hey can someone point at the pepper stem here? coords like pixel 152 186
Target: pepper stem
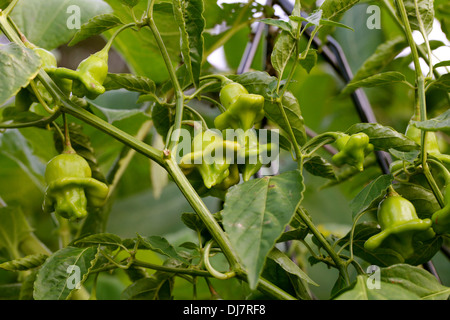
pixel 391 192
pixel 67 144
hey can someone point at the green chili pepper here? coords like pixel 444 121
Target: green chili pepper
pixel 400 226
pixel 71 188
pixel 213 168
pixel 352 150
pixel 243 109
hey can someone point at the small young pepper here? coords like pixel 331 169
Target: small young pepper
pixel 441 218
pixel 71 188
pixel 400 225
pixel 213 167
pixel 352 150
pixel 243 109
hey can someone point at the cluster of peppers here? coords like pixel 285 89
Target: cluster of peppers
pixel 401 229
pixel 240 156
pixel 71 189
pixel 86 81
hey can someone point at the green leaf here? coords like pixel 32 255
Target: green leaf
pixel 383 137
pixel 158 288
pixel 408 156
pixel 282 52
pixel 381 79
pixel 10 291
pixel 387 291
pixel 370 195
pixel 139 49
pixel 422 198
pixel 14 146
pixel 163 119
pixel 318 166
pixel 325 22
pixel 50 23
pixel 130 3
pixel 415 280
pixel 254 222
pixel 441 122
pixel 189 15
pixel 63 271
pixel 309 61
pixel 426 14
pixel 283 25
pixel 443 82
pixel 333 9
pixel 161 246
pixel 102 239
pixel 25 263
pixel 289 266
pixel 13 228
pixel 130 82
pixel 445 63
pixel 383 55
pixel 18 65
pixel 113 115
pixel 95 26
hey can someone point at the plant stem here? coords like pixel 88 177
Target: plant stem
pixel 421 98
pixel 179 96
pixel 199 206
pixel 340 265
pixel 10 7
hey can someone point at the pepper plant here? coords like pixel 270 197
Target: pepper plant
pixel 106 187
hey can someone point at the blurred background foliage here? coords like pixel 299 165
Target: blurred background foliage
pixel 141 205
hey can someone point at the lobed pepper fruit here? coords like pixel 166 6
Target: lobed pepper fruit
pixel 441 218
pixel 352 150
pixel 89 76
pixel 400 225
pixel 250 154
pixel 213 168
pixel 71 188
pixel 243 109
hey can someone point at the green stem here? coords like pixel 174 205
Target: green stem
pixel 421 98
pixel 10 7
pixel 340 265
pixel 37 123
pixel 179 96
pixel 113 37
pixel 202 210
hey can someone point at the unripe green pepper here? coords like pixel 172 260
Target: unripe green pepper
pixel 249 156
pixel 71 188
pixel 400 225
pixel 441 218
pixel 352 150
pixel 243 109
pixel 92 74
pixel 213 169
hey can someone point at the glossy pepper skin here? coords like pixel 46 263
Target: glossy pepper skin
pixel 441 218
pixel 249 157
pixel 352 150
pixel 400 225
pixel 243 109
pixel 71 188
pixel 92 74
pixel 213 168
